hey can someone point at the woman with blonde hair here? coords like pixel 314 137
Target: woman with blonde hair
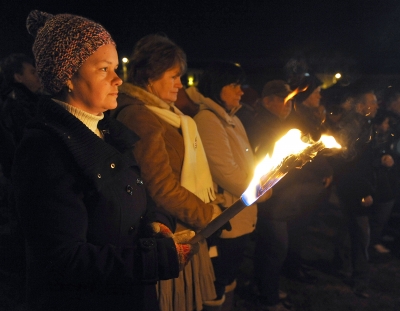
pixel 172 160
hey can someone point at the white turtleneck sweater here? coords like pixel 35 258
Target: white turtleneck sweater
pixel 90 120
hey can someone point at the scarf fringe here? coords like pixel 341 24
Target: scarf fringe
pixel 206 195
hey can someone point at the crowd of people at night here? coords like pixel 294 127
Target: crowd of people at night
pixel 104 182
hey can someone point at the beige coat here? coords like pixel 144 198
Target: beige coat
pixel 229 156
pixel 160 153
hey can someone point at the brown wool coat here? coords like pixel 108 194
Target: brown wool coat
pixel 160 153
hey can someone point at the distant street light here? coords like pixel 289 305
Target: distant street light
pixel 338 75
pixel 125 61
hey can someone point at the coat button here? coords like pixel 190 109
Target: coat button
pixel 98 175
pixel 129 189
pixel 131 229
pixel 139 181
pixel 112 165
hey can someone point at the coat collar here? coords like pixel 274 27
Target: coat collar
pixel 144 96
pixel 91 153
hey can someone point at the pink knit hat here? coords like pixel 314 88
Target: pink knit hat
pixel 62 44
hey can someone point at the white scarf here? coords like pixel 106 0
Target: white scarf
pixel 195 175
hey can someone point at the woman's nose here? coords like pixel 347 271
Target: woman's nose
pixel 179 84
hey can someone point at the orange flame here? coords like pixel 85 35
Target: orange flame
pixel 269 171
pixel 294 93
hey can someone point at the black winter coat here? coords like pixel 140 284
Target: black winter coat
pixel 83 209
pixel 18 106
pixel 353 166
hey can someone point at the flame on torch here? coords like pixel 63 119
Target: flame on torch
pixel 289 152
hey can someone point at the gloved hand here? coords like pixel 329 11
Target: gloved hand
pixel 216 212
pixel 184 249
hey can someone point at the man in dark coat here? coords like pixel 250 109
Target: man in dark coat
pixel 19 90
pixel 282 220
pixel 19 95
pixel 354 181
pixel 271 231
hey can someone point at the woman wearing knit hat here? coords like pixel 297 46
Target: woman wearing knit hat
pixel 78 190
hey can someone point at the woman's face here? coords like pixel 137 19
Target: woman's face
pixel 29 78
pixel 168 85
pixel 370 105
pixel 314 98
pixel 384 126
pixel 231 95
pixel 94 88
pixel 277 105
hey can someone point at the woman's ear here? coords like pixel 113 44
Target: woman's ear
pixel 18 77
pixel 70 86
pixel 149 86
pixel 266 102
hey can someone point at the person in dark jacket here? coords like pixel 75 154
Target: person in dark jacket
pixel 308 115
pixel 271 230
pixel 20 88
pixel 385 174
pixel 93 242
pixel 19 93
pixel 354 180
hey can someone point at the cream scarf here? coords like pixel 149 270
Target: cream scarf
pixel 195 175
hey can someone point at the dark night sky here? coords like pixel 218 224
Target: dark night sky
pixel 328 35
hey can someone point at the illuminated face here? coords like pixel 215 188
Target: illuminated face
pixel 277 106
pixel 94 88
pixel 168 85
pixel 29 78
pixel 231 95
pixel 314 98
pixel 384 126
pixel 394 105
pixel 370 105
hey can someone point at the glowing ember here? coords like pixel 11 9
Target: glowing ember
pixel 289 152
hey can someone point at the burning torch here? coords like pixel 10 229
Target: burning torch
pixel 289 152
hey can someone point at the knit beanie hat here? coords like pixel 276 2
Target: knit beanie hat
pixel 276 87
pixel 310 82
pixel 62 44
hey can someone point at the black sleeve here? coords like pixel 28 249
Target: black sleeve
pixel 55 220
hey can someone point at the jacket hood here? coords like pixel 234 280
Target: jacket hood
pixel 206 103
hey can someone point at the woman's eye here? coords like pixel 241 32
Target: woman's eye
pixel 104 69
